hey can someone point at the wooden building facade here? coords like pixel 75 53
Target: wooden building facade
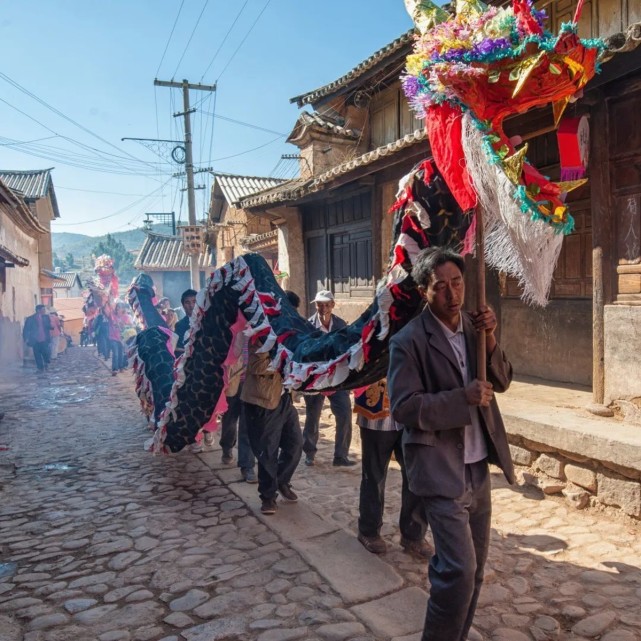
pixel 361 138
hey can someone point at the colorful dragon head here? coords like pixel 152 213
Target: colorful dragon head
pixel 107 279
pixel 471 70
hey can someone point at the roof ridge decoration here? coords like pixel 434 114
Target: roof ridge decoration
pixel 356 72
pixel 323 122
pixel 224 174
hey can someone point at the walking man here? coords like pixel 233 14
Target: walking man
pixel 37 334
pixel 379 440
pixel 339 402
pixel 273 429
pixel 452 429
pixel 188 301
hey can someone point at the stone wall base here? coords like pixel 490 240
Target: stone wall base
pixel 580 480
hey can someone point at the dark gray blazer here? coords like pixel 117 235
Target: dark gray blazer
pixel 427 396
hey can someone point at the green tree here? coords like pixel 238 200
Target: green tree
pixel 57 261
pixel 70 261
pixel 123 260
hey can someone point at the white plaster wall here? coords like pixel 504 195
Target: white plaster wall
pixel 22 290
pixel 622 352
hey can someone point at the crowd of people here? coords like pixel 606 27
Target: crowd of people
pixel 434 414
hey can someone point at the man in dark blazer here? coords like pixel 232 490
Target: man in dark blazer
pixel 452 430
pixel 37 335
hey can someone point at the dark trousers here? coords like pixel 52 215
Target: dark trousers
pixel 277 444
pixel 341 406
pixel 461 531
pixel 234 424
pixel 42 354
pixel 104 345
pixel 377 448
pixel 118 360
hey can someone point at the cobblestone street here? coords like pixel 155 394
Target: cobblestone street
pixel 99 540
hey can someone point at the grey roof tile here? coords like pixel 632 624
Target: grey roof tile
pixel 165 253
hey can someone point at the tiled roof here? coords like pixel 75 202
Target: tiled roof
pixel 165 253
pixel 32 185
pixel 69 279
pixel 360 69
pixel 296 189
pixel 623 42
pixel 235 188
pixel 50 274
pixel 289 190
pixel 8 256
pixel 18 211
pixel 315 119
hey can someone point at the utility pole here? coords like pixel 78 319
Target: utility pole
pixel 189 160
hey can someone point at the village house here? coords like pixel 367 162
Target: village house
pixel 69 285
pixel 162 257
pixel 233 231
pixel 360 138
pixel 36 188
pixel 20 232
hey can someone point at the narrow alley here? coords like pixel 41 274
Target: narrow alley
pixel 99 540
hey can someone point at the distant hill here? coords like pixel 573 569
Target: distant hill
pixel 81 245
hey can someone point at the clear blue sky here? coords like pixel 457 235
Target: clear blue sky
pixel 95 62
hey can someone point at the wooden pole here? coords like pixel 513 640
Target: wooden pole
pixel 481 351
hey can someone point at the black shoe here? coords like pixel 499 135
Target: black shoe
pixel 287 493
pixel 343 461
pixel 419 549
pixel 249 476
pixel 309 460
pixel 268 506
pixel 227 457
pixel 373 544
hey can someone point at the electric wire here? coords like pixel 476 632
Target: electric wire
pixel 117 213
pixel 211 62
pixel 169 39
pixel 242 42
pixel 244 124
pixel 190 38
pixel 68 119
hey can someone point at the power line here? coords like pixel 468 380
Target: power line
pixel 169 39
pixel 120 211
pixel 94 191
pixel 67 118
pixel 242 42
pixel 242 153
pixel 211 62
pixel 190 37
pixel 245 124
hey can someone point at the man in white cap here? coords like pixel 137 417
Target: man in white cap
pixel 339 402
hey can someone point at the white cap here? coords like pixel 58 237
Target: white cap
pixel 323 296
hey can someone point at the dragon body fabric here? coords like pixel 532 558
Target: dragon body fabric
pixel 152 351
pixel 243 299
pixel 467 73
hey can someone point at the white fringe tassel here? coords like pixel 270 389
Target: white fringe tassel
pixel 514 243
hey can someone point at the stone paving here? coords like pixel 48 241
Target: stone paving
pixel 101 541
